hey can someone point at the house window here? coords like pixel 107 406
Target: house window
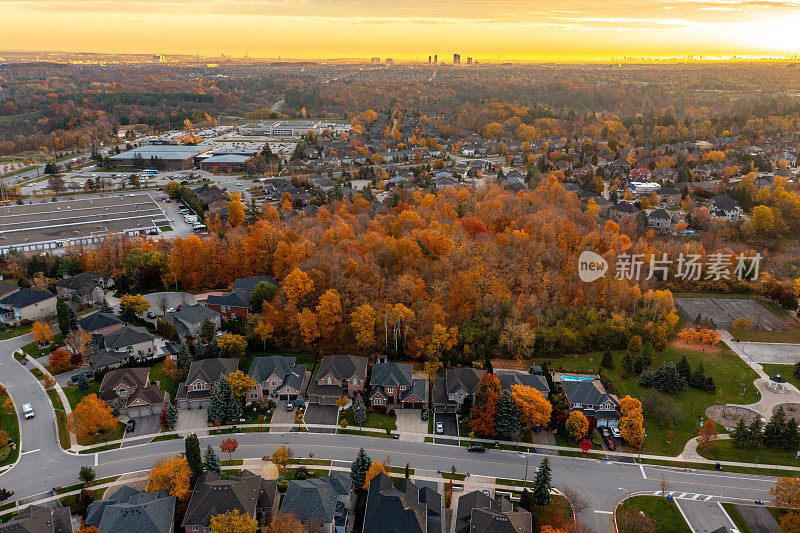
pixel 355 381
pixel 390 390
pixel 122 393
pixel 198 386
pixel 378 401
pixel 195 528
pixel 253 396
pixel 330 381
pixel 274 383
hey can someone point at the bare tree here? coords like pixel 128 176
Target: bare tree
pixel 664 482
pixel 162 302
pixel 576 501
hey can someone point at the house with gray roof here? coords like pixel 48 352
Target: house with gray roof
pixel 721 206
pixel 195 392
pixel 234 305
pixel 87 287
pixel 458 384
pixel 130 390
pixel 324 501
pixel 100 323
pixel 125 345
pixel 246 492
pixel 591 398
pixel 48 518
pixel 509 378
pixel 393 384
pixel 250 284
pixel 132 511
pixel 189 318
pixel 406 508
pixel 660 219
pixel 478 512
pixel 27 304
pixel 277 377
pixel 338 375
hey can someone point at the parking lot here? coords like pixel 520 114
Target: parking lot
pixel 449 422
pixel 321 414
pixel 769 352
pixel 724 311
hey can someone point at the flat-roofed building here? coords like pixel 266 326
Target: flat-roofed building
pixel 291 128
pixel 52 225
pixel 173 157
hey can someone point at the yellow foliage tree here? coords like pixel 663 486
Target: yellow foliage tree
pixel 363 319
pixel 374 469
pixel 787 496
pixel 296 286
pixel 534 409
pixel 134 304
pixel 235 210
pixel 42 332
pixel 233 522
pixel 239 383
pixel 231 345
pixel 577 425
pixel 92 415
pixel 763 220
pixel 173 475
pixel 307 322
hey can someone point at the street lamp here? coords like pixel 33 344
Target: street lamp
pixel 526 466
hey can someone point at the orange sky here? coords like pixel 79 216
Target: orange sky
pixel 407 29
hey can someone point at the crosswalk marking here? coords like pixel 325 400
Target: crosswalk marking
pixel 685 495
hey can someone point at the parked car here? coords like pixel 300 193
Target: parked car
pixel 478 448
pixel 151 314
pixel 615 432
pixel 424 414
pixel 27 410
pixel 439 428
pixel 289 406
pixel 610 444
pixel 131 425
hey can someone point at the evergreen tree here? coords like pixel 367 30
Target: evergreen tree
pixel 526 500
pixel 541 484
pixel 62 312
pixel 507 416
pixel 83 382
pixel 638 365
pixel 105 308
pixel 172 417
pixel 358 470
pixel 684 369
pixel 73 320
pixel 774 429
pixel 796 370
pixel 647 354
pixel 739 434
pixel 698 377
pixel 252 213
pixel 211 461
pixel 192 448
pixel 627 363
pixel 754 432
pixel 359 411
pixel 608 359
pixel 791 435
pixel 408 471
pixel 234 410
pixel 218 405
pixel 184 356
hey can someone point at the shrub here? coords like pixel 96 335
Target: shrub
pixel 382 409
pixel 391 413
pixel 283 485
pixel 5 451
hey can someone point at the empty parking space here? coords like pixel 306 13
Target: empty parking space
pixel 724 311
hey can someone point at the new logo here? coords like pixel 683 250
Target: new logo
pixel 591 266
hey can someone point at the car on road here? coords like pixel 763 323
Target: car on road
pixel 424 414
pixel 27 411
pixel 615 431
pixel 477 448
pixel 289 406
pixel 130 426
pixel 151 314
pixel 439 428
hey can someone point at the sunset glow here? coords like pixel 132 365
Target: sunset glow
pixel 407 29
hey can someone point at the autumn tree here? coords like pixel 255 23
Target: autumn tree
pixel 631 423
pixel 374 469
pixel 329 316
pixel 264 329
pixel 59 361
pixel 534 409
pixel 172 475
pixel 296 287
pixel 282 457
pixel 229 446
pixel 91 416
pixel 288 523
pixel 707 437
pixel 235 210
pixel 363 319
pixel 577 425
pixel 230 345
pixel 786 493
pixel 484 410
pixel 239 383
pixel 763 220
pixel 309 329
pixel 740 326
pixel 133 305
pixel 42 333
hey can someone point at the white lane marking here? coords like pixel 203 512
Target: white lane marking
pixel 707 498
pixel 31 451
pixel 683 495
pixel 678 505
pixel 96 458
pixel 641 468
pixel 695 496
pixel 603 512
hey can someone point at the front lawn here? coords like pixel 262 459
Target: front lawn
pixel 116 434
pixel 10 424
pixel 733 378
pixel 75 395
pixel 34 351
pixel 661 510
pixel 167 383
pixel 557 515
pixel 374 420
pixel 726 451
pixel 14 331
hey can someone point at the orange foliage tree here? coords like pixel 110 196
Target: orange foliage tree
pixel 484 411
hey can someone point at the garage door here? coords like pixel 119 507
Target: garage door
pixel 139 411
pixel 412 405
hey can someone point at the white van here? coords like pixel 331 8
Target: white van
pixel 27 410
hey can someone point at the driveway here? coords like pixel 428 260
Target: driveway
pixel 321 414
pixel 758 518
pixel 705 517
pixel 145 425
pixel 281 416
pixel 410 421
pixel 450 423
pixel 174 299
pixel 192 420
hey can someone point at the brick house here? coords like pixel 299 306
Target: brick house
pixel 277 377
pixel 393 384
pixel 195 392
pixel 591 398
pixel 339 375
pixel 234 305
pixel 130 390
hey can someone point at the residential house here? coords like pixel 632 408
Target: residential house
pixel 195 392
pixel 27 304
pixel 250 284
pixel 458 384
pixel 100 323
pixel 478 512
pixel 325 501
pixel 234 305
pixel 338 375
pixel 133 511
pixel 622 210
pixel 7 288
pixel 402 509
pixel 125 345
pixel 88 287
pixel 659 219
pixel 130 390
pixel 189 318
pixel 246 492
pixel 669 195
pixel 393 384
pixel 509 378
pixel 591 398
pixel 721 206
pixel 46 518
pixel 277 377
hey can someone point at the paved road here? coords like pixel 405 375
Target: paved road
pixel 705 517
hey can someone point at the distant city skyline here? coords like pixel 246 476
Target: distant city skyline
pixel 405 30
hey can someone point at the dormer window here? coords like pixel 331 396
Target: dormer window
pixel 330 381
pixel 122 393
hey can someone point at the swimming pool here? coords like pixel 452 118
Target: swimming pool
pixel 564 377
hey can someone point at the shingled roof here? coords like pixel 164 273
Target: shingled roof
pixel 343 366
pixel 133 511
pixel 213 496
pixel 97 321
pixel 25 297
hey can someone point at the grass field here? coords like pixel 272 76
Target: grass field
pixel 733 378
pixel 167 383
pixel 61 418
pixel 74 395
pixel 10 424
pixel 374 420
pixel 736 516
pixel 726 451
pixel 791 336
pixel 661 510
pixel 786 372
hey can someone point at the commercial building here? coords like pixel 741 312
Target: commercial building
pixel 52 225
pixel 166 156
pixel 290 128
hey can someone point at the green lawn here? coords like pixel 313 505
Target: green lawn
pixel 34 351
pixel 116 434
pixel 14 331
pixel 61 418
pixel 737 518
pixel 10 424
pixel 167 383
pixel 165 228
pixel 786 372
pixel 374 420
pixel 733 378
pixel 791 336
pixel 726 451
pixel 74 395
pixel 661 510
